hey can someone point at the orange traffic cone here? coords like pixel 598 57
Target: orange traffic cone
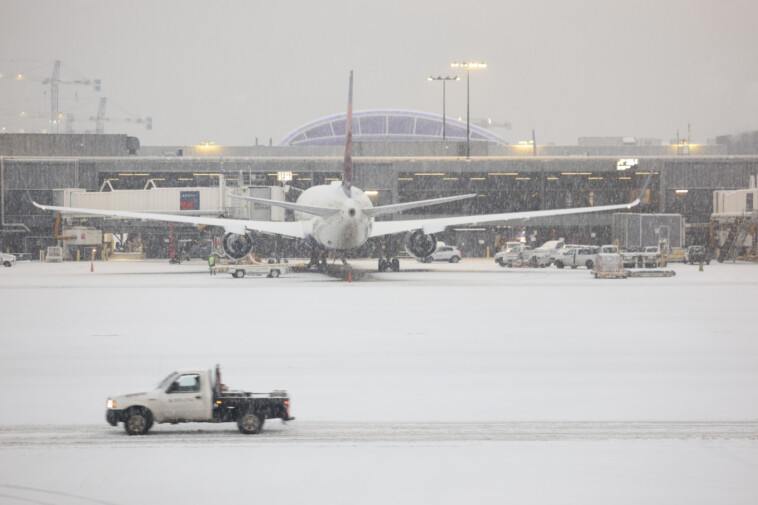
pixel 350 277
pixel 92 267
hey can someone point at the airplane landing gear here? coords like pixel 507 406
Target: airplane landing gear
pixel 389 264
pixel 318 260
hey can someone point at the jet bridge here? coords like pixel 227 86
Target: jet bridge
pixel 154 235
pixel 200 201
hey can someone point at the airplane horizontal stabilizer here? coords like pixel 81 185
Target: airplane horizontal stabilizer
pixel 399 207
pixel 308 209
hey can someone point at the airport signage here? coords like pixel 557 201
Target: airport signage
pixel 284 176
pixel 626 163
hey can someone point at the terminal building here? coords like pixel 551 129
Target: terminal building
pixel 398 156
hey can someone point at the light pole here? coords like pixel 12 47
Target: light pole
pixel 444 81
pixel 468 65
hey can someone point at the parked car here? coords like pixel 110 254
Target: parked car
pixel 696 254
pixel 8 259
pixel 444 253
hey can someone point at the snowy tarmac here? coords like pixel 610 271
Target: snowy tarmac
pixel 440 383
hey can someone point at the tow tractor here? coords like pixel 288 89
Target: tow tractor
pixel 255 268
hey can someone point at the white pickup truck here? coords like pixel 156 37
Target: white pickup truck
pixel 196 396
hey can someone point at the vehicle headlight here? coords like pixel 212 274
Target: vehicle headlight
pixel 111 404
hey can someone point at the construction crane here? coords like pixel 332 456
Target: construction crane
pixel 54 81
pixel 100 119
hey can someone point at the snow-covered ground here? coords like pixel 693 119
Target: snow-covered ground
pixel 438 384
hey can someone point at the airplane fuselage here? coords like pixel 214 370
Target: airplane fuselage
pixel 348 228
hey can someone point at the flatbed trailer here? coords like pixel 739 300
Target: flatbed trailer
pixel 652 272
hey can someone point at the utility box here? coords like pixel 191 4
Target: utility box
pixel 644 230
pixel 54 254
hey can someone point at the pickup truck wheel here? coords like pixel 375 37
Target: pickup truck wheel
pixel 249 423
pixel 7 264
pixel 590 264
pixel 137 422
pixel 559 264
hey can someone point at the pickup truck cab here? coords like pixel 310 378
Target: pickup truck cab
pixel 196 396
pixel 574 257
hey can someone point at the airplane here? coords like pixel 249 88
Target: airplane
pixel 340 217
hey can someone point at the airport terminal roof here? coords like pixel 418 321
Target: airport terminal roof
pixel 373 125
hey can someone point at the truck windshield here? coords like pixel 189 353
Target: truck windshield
pixel 165 382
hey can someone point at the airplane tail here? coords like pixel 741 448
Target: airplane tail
pixel 347 176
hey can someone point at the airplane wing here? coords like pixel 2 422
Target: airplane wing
pixel 399 207
pixel 437 225
pixel 239 226
pixel 308 209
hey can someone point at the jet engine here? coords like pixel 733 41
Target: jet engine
pixel 419 245
pixel 236 246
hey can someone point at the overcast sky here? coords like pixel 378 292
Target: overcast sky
pixel 231 71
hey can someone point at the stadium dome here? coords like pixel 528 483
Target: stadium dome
pixel 376 125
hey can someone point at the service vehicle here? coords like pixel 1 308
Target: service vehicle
pixel 522 255
pixel 256 268
pixel 444 253
pixel 551 249
pixel 583 256
pixel 646 258
pixel 196 396
pixel 697 254
pixel 499 257
pixel 8 260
